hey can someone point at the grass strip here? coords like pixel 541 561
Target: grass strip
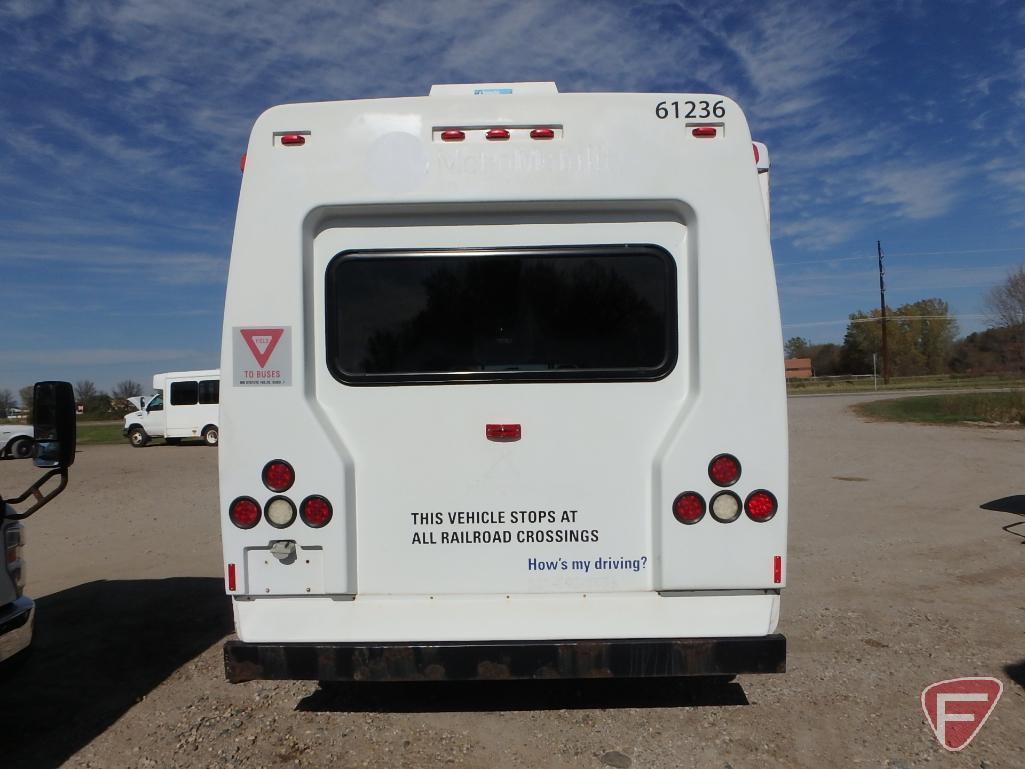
pixel 1003 408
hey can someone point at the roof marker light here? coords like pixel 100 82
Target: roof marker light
pixel 453 135
pixel 542 133
pixel 755 148
pixel 705 132
pixel 496 134
pixel 242 163
pixel 293 140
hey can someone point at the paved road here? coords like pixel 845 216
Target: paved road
pixel 899 577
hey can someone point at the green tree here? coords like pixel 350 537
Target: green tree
pixel 919 336
pixel 25 394
pixel 797 347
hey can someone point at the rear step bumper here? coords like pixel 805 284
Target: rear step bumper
pixel 505 660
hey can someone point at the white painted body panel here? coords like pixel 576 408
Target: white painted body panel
pixel 175 421
pixel 372 175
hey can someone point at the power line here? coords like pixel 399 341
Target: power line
pixel 830 260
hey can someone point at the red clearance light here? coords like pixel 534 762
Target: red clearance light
pixel 704 132
pixel 244 512
pixel 503 432
pixel 231 576
pixel 755 148
pixel 689 507
pixel 724 470
pixel 542 133
pixel 242 163
pixel 293 140
pixel 315 511
pixel 496 134
pixel 278 475
pixel 452 136
pixel 760 505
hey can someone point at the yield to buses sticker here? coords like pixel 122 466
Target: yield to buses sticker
pixel 262 356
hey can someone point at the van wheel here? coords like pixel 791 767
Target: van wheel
pixel 137 436
pixel 21 448
pixel 172 441
pixel 210 436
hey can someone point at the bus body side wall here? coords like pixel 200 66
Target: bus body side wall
pixel 370 176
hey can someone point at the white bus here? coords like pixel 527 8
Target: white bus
pixel 504 391
pixel 184 405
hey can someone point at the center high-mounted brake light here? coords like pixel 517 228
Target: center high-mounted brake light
pixel 704 132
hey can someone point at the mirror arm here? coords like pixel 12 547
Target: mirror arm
pixel 40 498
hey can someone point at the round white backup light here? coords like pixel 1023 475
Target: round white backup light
pixel 280 512
pixel 725 507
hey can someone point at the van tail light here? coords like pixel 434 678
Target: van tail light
pixel 760 505
pixel 315 511
pixel 244 512
pixel 724 470
pixel 725 507
pixel 689 507
pixel 278 475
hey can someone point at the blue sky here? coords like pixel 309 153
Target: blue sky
pixel 123 123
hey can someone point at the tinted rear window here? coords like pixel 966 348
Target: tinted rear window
pixel 523 314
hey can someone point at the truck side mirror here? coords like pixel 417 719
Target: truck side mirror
pixel 54 404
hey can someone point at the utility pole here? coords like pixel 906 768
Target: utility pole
pixel 882 311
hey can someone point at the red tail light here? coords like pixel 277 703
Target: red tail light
pixel 760 505
pixel 244 512
pixel 315 511
pixel 724 470
pixel 278 475
pixel 689 507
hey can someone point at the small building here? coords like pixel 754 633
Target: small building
pixel 798 368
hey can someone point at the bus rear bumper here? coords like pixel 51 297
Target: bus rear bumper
pixel 505 660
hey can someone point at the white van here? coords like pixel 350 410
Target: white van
pixel 184 405
pixel 505 392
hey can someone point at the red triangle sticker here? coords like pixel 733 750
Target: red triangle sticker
pixel 262 342
pixel 956 709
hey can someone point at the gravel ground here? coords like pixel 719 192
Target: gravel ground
pixel 898 578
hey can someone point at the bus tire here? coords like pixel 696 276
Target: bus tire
pixel 20 448
pixel 137 437
pixel 210 436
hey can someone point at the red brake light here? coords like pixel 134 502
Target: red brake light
pixel 244 512
pixel 315 511
pixel 452 136
pixel 542 133
pixel 689 507
pixel 760 505
pixel 278 475
pixel 724 470
pixel 704 132
pixel 293 140
pixel 497 134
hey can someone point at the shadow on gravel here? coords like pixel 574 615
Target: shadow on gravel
pixel 1015 505
pixel 1016 672
pixel 480 696
pixel 98 649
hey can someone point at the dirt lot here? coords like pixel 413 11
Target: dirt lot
pixel 900 575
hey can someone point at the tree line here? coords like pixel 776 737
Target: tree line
pixel 922 338
pixel 96 403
